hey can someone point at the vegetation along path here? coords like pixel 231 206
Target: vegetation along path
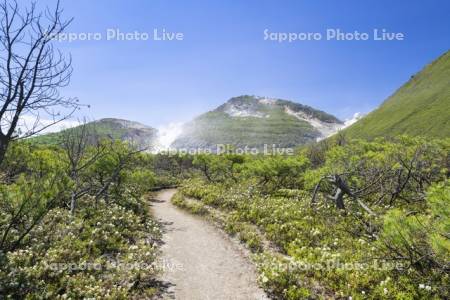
pixel 200 262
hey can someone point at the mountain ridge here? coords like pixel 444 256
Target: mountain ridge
pixel 256 121
pixel 419 107
pixel 141 135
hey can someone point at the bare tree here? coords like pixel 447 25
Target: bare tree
pixel 82 148
pixel 341 189
pixel 31 71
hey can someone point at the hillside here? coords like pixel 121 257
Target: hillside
pixel 421 107
pixel 117 129
pixel 256 121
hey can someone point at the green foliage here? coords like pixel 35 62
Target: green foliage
pixel 106 248
pixel 194 207
pixel 439 239
pixel 245 232
pixel 318 251
pixel 104 253
pixel 277 172
pixel 217 168
pixel 385 171
pixel 421 238
pixel 301 250
pixel 170 168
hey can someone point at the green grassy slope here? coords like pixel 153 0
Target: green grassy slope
pixel 272 126
pixel 114 129
pixel 421 107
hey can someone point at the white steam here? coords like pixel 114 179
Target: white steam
pixel 356 117
pixel 167 135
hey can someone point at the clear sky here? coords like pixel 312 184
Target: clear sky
pixel 223 54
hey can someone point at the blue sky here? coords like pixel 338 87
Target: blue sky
pixel 224 54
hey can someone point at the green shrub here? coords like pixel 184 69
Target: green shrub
pixel 105 249
pixel 321 252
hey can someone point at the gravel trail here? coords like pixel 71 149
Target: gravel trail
pixel 201 262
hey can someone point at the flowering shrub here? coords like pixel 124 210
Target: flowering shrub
pixel 401 252
pixel 105 249
pixel 108 253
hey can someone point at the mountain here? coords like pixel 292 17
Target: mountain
pixel 140 135
pixel 419 107
pixel 257 121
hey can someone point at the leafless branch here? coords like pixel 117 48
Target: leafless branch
pixel 32 71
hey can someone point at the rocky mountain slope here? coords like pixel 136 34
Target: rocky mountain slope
pixel 257 121
pixel 141 135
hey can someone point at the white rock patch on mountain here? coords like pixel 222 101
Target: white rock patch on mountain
pixel 356 117
pixel 325 129
pixel 242 112
pixel 267 101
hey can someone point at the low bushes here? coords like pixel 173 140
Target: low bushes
pixel 400 252
pixel 77 228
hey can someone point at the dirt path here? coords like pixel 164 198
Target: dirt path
pixel 200 262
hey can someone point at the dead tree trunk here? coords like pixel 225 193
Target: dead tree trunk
pixel 4 142
pixel 341 189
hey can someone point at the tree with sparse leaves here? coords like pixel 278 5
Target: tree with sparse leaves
pixel 32 71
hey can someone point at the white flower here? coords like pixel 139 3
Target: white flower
pixel 363 292
pixel 421 286
pixel 385 290
pixel 428 288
